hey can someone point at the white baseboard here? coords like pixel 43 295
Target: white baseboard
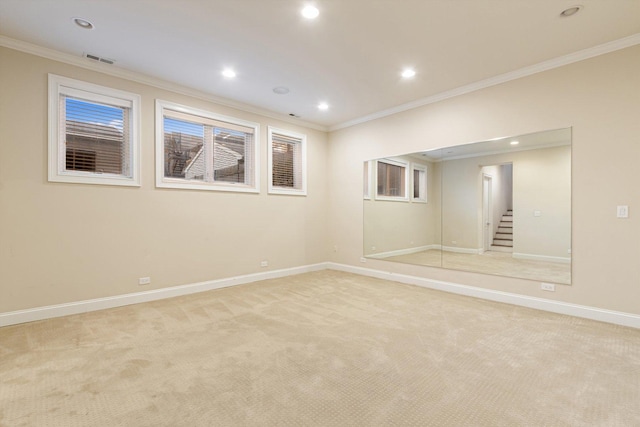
pixel 51 311
pixel 58 310
pixel 564 260
pixel 586 312
pixel 462 250
pixel 406 251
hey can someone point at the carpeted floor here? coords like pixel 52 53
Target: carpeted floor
pixel 319 349
pixel 491 262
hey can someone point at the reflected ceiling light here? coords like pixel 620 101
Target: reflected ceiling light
pixel 570 11
pixel 228 73
pixel 83 23
pixel 515 142
pixel 323 106
pixel 310 12
pixel 407 73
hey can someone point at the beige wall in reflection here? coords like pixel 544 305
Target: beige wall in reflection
pixel 541 184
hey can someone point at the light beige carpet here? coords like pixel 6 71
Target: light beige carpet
pixel 491 262
pixel 319 349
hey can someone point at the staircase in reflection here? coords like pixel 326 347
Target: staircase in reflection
pixel 503 239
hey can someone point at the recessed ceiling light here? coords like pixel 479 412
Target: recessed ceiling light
pixel 571 11
pixel 228 73
pixel 281 90
pixel 407 73
pixel 83 23
pixel 515 142
pixel 310 12
pixel 323 106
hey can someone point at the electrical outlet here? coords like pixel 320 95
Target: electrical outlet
pixel 548 287
pixel 623 212
pixel 264 264
pixel 144 280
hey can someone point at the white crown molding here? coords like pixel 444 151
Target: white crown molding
pixel 586 312
pixel 115 71
pixel 580 55
pixel 163 84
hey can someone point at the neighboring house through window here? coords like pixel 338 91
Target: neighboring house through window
pixel 198 149
pixel 93 133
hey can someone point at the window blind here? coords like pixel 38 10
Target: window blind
pixel 203 149
pixel 391 180
pixel 286 161
pixel 97 137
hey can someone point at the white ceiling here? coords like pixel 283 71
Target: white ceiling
pixel 351 56
pixel 531 141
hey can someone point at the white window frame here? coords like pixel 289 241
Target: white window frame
pixel 302 191
pixel 394 162
pixel 179 183
pixel 368 179
pixel 58 86
pixel 423 184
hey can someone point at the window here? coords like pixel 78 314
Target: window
pixel 287 162
pixel 201 150
pixel 392 180
pixel 367 179
pixel 419 174
pixel 93 133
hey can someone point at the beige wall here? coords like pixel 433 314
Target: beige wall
pixel 69 242
pixel 542 182
pixel 599 98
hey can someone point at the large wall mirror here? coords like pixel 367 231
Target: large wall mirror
pixel 499 207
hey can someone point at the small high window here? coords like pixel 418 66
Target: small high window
pixel 287 162
pixel 366 179
pixel 392 180
pixel 419 193
pixel 93 133
pixel 198 149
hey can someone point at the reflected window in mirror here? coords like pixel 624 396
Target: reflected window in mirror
pixel 419 173
pixel 392 178
pixel 366 180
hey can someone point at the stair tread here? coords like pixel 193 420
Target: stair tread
pixel 503 237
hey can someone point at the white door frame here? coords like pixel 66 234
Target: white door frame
pixel 487 212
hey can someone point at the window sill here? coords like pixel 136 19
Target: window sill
pixel 206 186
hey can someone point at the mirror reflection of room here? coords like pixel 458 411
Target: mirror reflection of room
pixel 500 207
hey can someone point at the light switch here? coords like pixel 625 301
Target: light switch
pixel 537 213
pixel 623 211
